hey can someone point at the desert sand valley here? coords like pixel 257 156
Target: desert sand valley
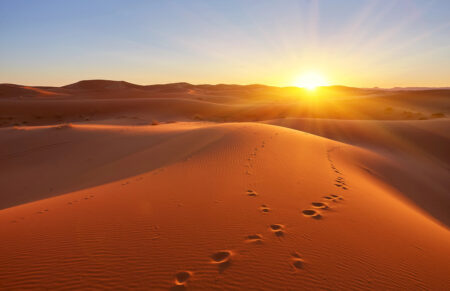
pixel 108 184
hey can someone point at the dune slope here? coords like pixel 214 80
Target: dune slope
pixel 202 206
pixel 415 153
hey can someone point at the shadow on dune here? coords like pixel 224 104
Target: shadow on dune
pixel 38 163
pixel 46 162
pixel 411 156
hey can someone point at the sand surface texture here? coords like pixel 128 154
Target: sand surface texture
pixel 181 187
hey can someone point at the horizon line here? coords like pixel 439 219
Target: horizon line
pixel 233 84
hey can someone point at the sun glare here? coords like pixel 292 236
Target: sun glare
pixel 311 81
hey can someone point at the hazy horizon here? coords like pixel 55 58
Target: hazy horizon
pixel 353 43
pixel 233 84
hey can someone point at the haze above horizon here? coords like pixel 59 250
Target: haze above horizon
pixel 353 43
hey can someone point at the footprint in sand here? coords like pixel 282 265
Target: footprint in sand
pixel 277 229
pixel 182 277
pixel 332 198
pixel 297 260
pixel 251 193
pixel 312 213
pixel 320 205
pixel 336 197
pixel 254 238
pixel 222 259
pixel 264 208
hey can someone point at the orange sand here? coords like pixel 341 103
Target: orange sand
pixel 282 204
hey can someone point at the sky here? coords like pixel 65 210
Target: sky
pixel 362 43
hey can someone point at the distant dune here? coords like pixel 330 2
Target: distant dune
pixel 94 87
pixel 111 185
pixel 215 103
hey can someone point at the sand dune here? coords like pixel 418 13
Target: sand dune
pixel 94 196
pixel 416 154
pixel 99 100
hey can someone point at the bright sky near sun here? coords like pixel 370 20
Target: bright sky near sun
pixel 352 42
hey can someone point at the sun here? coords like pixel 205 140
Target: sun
pixel 311 81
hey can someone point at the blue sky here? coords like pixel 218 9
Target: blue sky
pixel 357 43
